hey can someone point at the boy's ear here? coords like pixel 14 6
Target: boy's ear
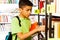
pixel 19 9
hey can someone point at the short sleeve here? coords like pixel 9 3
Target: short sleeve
pixel 15 28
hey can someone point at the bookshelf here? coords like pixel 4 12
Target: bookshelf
pixel 8 9
pixel 9 1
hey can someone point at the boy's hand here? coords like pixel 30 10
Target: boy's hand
pixel 41 28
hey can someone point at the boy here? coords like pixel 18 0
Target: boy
pixel 23 33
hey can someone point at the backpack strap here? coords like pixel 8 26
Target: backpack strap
pixel 16 37
pixel 19 20
pixel 19 25
pixel 9 36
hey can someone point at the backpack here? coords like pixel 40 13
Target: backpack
pixel 9 36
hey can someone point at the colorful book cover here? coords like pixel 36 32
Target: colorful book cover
pixel 10 1
pixel 4 1
pixel 16 1
pixel 5 18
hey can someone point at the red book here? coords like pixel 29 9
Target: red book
pixel 33 26
pixel 41 4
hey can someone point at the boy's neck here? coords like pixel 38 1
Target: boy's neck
pixel 20 15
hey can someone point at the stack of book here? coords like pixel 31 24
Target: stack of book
pixel 3 18
pixel 9 1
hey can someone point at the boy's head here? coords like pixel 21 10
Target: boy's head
pixel 25 7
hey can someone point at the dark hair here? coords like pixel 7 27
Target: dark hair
pixel 25 3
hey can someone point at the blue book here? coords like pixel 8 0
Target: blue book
pixel 16 1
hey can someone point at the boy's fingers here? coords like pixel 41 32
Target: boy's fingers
pixel 42 27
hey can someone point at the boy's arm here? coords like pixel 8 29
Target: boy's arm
pixel 24 36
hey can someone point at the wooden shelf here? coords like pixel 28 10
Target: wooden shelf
pixel 5 22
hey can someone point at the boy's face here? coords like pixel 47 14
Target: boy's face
pixel 26 11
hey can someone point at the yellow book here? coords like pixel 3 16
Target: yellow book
pixel 52 8
pixel 43 10
pixel 57 30
pixel 37 11
pixel 53 38
pixel 0 1
pixel 48 8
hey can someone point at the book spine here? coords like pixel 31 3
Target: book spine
pixel 0 18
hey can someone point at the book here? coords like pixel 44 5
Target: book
pixel 35 2
pixel 4 18
pixel 9 1
pixel 0 18
pixel 16 1
pixel 0 1
pixel 57 29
